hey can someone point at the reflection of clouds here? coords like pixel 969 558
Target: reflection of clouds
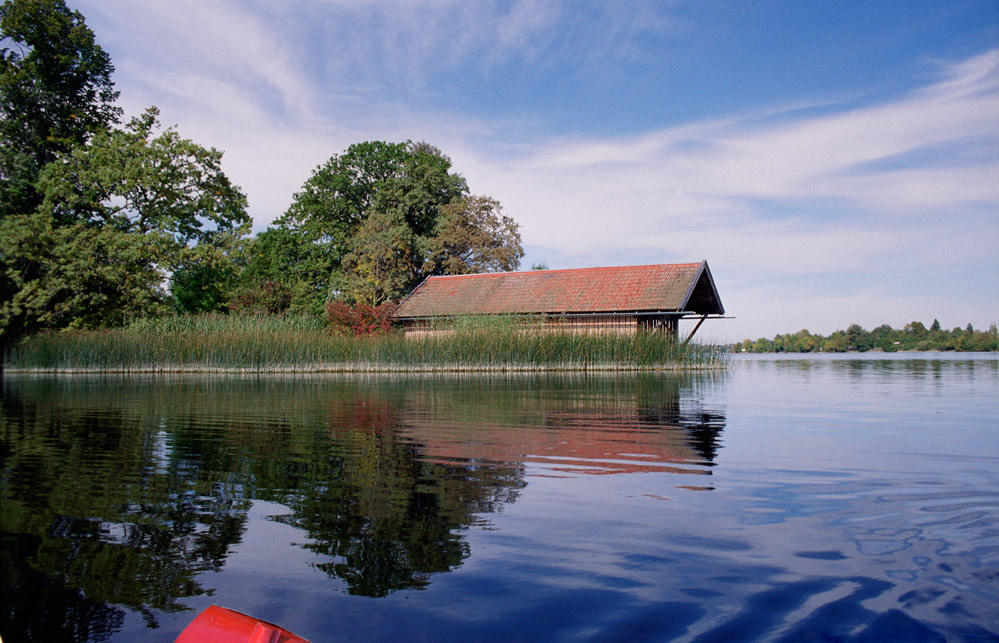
pixel 924 551
pixel 877 542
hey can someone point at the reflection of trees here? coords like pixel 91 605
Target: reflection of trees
pixel 40 608
pixel 117 493
pixel 89 522
pixel 391 518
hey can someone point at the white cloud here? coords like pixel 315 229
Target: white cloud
pixel 692 176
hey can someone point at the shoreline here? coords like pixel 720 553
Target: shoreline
pixel 357 368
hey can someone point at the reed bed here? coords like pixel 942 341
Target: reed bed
pixel 219 343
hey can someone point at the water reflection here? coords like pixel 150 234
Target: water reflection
pixel 118 493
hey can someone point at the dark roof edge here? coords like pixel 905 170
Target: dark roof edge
pixel 714 289
pixel 711 281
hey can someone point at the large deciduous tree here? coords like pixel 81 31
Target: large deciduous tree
pixel 73 276
pixel 119 216
pixel 55 92
pixel 474 236
pixel 380 263
pixel 382 216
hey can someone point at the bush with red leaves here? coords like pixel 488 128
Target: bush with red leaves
pixel 360 319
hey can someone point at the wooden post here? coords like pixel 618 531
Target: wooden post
pixel 698 325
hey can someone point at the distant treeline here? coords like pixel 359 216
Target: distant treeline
pixel 913 337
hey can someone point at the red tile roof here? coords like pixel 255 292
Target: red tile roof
pixel 663 287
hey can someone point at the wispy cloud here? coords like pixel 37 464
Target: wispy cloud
pixel 416 44
pixel 734 169
pixel 231 50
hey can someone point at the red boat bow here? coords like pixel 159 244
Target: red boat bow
pixel 220 625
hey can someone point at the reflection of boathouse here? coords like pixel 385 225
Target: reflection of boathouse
pixel 620 299
pixel 574 444
pixel 647 431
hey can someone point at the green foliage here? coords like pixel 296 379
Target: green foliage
pixel 118 216
pixel 202 284
pixel 474 236
pixel 914 336
pixel 94 220
pixel 162 186
pixel 381 264
pixel 287 261
pixel 405 183
pixel 73 276
pixel 55 91
pixel 838 342
pixel 265 298
pixel 371 223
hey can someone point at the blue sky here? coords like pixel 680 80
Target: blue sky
pixel 835 162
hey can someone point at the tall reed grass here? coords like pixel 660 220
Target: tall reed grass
pixel 209 343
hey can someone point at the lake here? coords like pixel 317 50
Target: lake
pixel 850 498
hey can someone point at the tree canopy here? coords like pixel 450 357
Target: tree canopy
pixel 118 216
pixel 55 92
pixel 474 236
pixel 372 222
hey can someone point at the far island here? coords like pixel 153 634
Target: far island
pixel 913 337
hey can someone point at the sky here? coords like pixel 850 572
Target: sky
pixel 834 162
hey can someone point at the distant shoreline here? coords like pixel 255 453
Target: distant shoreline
pixel 875 351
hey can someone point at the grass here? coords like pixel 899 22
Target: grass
pixel 220 343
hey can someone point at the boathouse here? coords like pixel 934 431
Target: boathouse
pixel 622 299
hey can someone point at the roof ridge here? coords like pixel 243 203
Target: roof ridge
pixel 535 272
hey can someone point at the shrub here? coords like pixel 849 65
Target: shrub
pixel 268 297
pixel 360 319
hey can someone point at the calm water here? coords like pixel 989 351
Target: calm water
pixel 851 498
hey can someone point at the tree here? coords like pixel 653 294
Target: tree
pixel 885 337
pixel 72 276
pixel 412 177
pixel 203 281
pixel 55 92
pixel 837 342
pixel 915 329
pixel 405 182
pixel 473 236
pixel 118 216
pixel 804 341
pixel 261 298
pixel 370 223
pixel 289 264
pixel 859 339
pixel 380 264
pixel 163 186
